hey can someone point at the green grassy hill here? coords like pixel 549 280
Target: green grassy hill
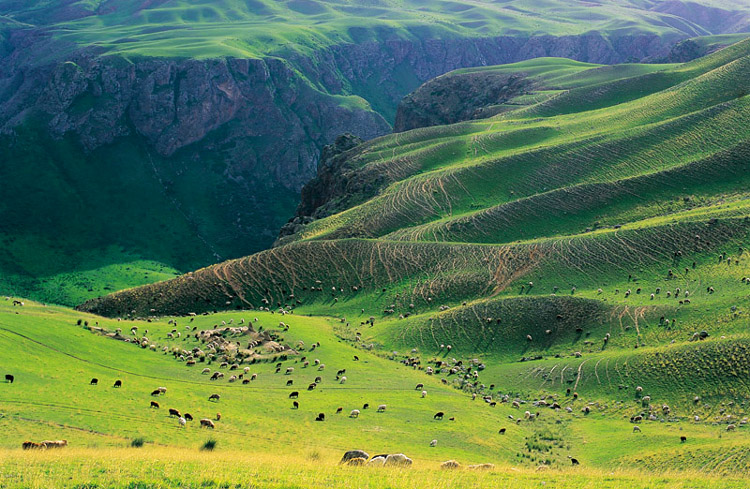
pixel 249 28
pixel 583 254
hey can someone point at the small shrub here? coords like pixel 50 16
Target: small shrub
pixel 209 445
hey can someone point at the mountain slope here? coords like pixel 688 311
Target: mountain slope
pixel 220 110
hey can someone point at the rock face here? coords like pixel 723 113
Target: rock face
pixel 458 97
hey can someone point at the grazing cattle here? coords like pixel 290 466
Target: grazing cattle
pixel 32 445
pixel 207 423
pixel 174 412
pixel 352 454
pixel 154 404
pixel 354 413
pixel 289 382
pixel 356 462
pixel 295 405
pixel 381 408
pixel 118 383
pixel 439 415
pixel 450 464
pixel 55 443
pixel 320 417
pixel 294 395
pixel 94 381
pixel 214 397
pixel 182 421
pixel 397 460
pixel 187 416
pixel 433 443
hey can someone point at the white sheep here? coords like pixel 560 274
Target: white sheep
pixel 433 443
pixel 354 413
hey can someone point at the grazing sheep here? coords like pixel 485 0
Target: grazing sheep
pixel 397 460
pixel 502 431
pixel 343 380
pixel 254 376
pixel 574 461
pixel 94 381
pixel 155 393
pixel 636 429
pixel 438 415
pixel 731 427
pixel 433 443
pixel 354 413
pixel 294 395
pixel 419 386
pixel 481 467
pixel 182 421
pixel 683 439
pixel 450 464
pixel 206 371
pixel 381 408
pixel 55 443
pixel 174 412
pixel 118 383
pixel 424 394
pixel 378 460
pixel 187 416
pixel 295 405
pixel 320 417
pixel 207 423
pixel 339 410
pixel 356 462
pixel 32 445
pixel 214 397
pixel 289 371
pixel 154 405
pixel 366 405
pixel 352 454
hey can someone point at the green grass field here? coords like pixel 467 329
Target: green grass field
pixel 53 359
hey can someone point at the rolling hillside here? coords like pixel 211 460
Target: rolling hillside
pixel 197 123
pixel 568 279
pixel 606 223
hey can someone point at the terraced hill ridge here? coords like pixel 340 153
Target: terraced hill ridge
pixel 616 205
pixel 210 116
